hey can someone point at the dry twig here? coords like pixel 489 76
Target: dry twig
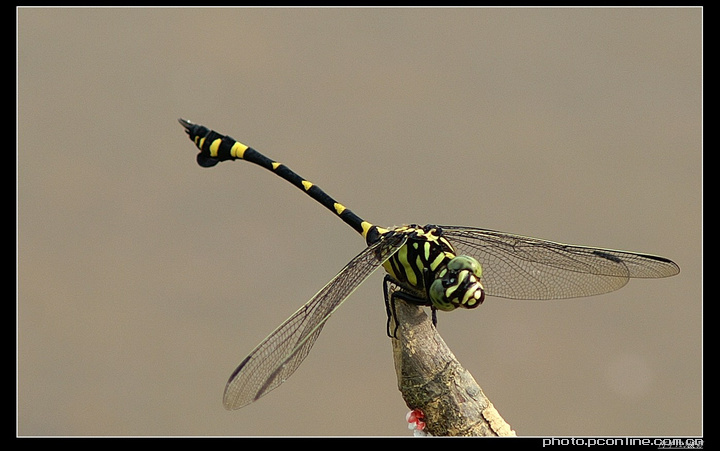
pixel 431 379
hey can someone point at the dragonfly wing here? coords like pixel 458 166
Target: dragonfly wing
pixel 520 267
pixel 279 355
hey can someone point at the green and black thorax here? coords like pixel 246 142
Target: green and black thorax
pixel 426 267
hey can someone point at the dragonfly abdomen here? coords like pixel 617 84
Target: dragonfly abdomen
pixel 215 147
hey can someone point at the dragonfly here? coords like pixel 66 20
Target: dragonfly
pixel 441 267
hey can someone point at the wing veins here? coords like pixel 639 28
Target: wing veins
pixel 280 354
pixel 521 267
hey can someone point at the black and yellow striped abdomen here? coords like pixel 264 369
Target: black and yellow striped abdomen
pixel 419 266
pixel 215 148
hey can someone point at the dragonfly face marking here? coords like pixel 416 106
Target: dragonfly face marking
pixel 458 285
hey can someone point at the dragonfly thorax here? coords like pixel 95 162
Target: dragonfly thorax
pixel 428 268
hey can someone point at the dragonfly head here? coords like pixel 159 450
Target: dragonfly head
pixel 458 285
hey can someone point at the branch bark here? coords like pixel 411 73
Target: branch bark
pixel 431 379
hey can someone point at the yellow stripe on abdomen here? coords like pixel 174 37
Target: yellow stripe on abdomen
pixel 238 150
pixel 214 146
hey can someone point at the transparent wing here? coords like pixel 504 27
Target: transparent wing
pixel 279 355
pixel 520 267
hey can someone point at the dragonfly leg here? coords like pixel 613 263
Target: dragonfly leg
pixel 390 299
pixel 388 311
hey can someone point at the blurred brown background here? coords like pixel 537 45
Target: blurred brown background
pixel 143 279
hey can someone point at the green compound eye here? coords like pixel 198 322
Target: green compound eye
pixel 465 262
pixel 458 285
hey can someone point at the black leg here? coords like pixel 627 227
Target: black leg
pixel 388 310
pixel 402 295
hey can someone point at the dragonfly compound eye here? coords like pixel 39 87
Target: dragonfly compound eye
pixel 458 285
